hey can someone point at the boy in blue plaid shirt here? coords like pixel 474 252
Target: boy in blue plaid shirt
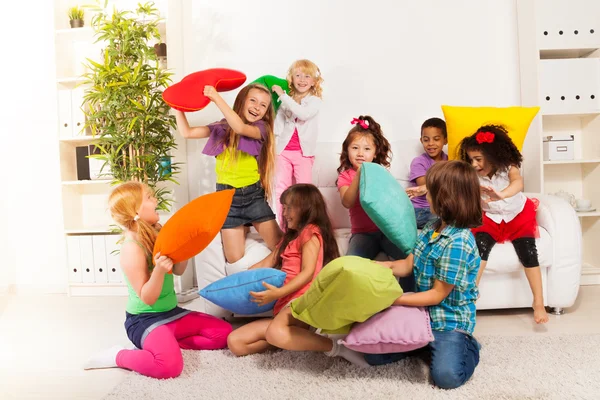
pixel 446 261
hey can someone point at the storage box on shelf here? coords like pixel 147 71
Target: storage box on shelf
pixel 568 43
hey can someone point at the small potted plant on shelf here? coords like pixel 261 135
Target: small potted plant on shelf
pixel 76 17
pixel 124 105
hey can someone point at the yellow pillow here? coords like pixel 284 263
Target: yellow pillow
pixel 464 121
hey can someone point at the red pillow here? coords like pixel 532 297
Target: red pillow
pixel 194 226
pixel 188 95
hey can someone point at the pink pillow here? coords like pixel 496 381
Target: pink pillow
pixel 396 330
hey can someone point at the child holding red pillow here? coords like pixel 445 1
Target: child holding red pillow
pixel 244 148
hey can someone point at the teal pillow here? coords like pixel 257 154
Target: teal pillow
pixel 269 81
pixel 347 290
pixel 233 292
pixel 388 206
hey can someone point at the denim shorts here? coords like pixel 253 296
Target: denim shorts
pixel 249 205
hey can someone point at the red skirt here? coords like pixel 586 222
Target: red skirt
pixel 523 225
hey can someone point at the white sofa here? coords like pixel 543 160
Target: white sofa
pixel 503 284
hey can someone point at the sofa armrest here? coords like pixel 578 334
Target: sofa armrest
pixel 560 220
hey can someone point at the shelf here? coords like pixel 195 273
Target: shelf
pixel 75 31
pixel 588 214
pixel 89 231
pixel 87 182
pixel 72 284
pixel 573 115
pixel 550 54
pixel 586 161
pixel 97 289
pixel 80 140
pixel 70 80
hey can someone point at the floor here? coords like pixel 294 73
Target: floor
pixel 44 340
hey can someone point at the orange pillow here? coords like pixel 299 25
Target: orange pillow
pixel 194 226
pixel 188 95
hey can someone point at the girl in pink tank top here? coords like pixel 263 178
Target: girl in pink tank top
pixel 307 244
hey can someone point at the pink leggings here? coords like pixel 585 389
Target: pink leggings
pixel 292 167
pixel 161 357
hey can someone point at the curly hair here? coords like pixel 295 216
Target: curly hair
pixel 501 153
pixel 383 154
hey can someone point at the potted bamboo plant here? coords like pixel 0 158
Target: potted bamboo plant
pixel 124 105
pixel 75 17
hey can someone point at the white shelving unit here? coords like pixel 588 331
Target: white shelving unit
pixel 559 46
pixel 90 243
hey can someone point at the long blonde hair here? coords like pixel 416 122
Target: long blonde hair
pixel 310 68
pixel 266 159
pixel 123 202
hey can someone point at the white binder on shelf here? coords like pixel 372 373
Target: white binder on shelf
pixel 100 268
pixel 74 259
pixel 64 113
pixel 112 260
pixel 77 115
pixel 87 259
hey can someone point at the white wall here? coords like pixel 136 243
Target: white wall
pixel 395 60
pixel 31 238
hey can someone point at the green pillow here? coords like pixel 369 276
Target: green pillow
pixel 347 290
pixel 388 206
pixel 269 81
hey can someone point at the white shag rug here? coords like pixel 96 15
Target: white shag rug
pixel 545 367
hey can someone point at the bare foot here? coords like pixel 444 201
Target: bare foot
pixel 539 314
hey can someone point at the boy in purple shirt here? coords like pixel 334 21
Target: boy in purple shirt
pixel 433 138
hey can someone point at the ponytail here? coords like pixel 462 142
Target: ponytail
pixel 124 201
pixel 146 234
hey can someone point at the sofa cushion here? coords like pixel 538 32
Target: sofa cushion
pixel 464 121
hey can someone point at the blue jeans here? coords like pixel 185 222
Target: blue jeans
pixel 454 356
pixel 368 245
pixel 423 215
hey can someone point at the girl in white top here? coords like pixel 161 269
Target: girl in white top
pixel 507 213
pixel 297 127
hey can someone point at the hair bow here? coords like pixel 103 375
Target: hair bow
pixel 364 124
pixel 485 137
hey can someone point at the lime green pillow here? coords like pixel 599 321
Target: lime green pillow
pixel 388 206
pixel 269 81
pixel 347 290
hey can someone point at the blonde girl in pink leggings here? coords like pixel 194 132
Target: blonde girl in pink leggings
pixel 297 127
pixel 154 322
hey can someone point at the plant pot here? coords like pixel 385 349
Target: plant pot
pixel 165 166
pixel 76 23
